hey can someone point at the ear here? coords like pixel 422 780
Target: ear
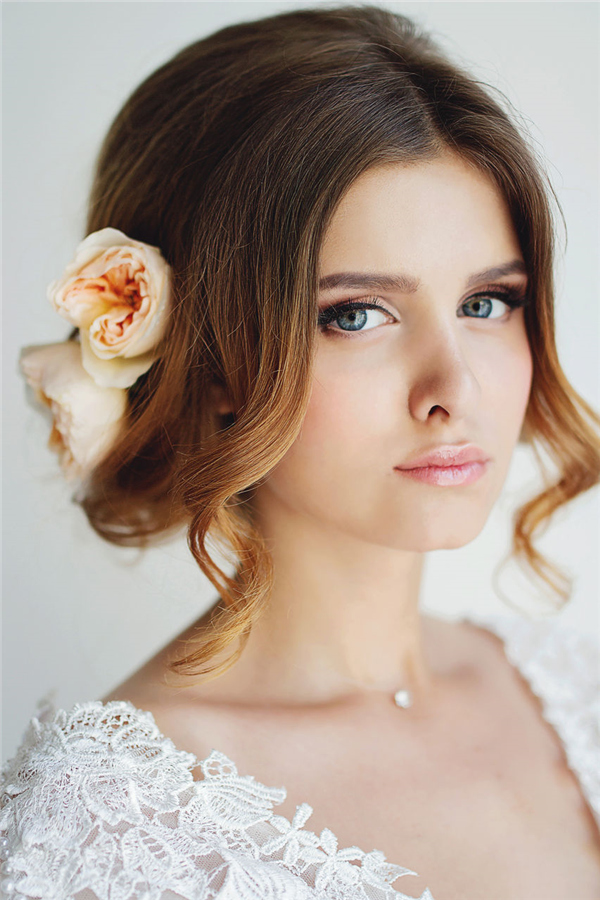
pixel 220 399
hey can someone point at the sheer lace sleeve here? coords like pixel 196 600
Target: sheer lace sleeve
pixel 98 805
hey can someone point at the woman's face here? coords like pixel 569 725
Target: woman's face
pixel 445 360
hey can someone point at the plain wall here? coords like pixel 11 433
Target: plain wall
pixel 79 614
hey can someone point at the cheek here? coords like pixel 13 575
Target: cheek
pixel 346 425
pixel 346 403
pixel 507 373
pixel 358 407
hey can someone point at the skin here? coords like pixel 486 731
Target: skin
pixel 348 535
pixel 347 532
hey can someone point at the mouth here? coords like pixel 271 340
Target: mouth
pixel 447 475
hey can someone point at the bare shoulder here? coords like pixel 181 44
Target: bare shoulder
pixel 154 683
pixel 192 713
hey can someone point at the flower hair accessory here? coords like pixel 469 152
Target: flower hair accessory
pixel 85 417
pixel 116 291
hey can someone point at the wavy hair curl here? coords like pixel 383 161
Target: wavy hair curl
pixel 232 157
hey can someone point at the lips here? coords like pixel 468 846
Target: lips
pixel 445 455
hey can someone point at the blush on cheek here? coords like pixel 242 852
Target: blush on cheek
pixel 340 428
pixel 513 397
pixel 347 409
pixel 523 373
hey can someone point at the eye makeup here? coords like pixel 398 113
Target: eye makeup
pixel 330 313
pixel 513 297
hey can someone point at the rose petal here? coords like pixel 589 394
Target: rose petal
pixel 86 417
pixel 116 372
pixel 118 290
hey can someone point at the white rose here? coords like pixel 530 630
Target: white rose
pixel 86 418
pixel 116 291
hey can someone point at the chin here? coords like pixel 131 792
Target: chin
pixel 429 545
pixel 423 538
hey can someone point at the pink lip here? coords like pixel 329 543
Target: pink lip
pixel 447 455
pixel 447 465
pixel 447 475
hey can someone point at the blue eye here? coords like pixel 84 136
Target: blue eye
pixel 483 304
pixel 352 315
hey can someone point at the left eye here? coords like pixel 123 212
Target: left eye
pixel 483 305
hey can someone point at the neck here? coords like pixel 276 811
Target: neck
pixel 342 620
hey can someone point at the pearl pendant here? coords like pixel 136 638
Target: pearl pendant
pixel 403 699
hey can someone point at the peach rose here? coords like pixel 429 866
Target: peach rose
pixel 116 291
pixel 86 418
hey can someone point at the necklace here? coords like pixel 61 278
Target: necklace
pixel 403 698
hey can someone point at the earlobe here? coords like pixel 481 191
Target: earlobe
pixel 220 400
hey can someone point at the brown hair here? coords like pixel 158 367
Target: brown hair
pixel 231 158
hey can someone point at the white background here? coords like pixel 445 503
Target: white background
pixel 79 614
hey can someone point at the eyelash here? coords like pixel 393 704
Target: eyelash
pixel 513 297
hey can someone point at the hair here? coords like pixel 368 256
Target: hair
pixel 231 158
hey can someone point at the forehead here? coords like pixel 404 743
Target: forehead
pixel 439 214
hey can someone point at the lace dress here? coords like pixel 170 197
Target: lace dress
pixel 97 804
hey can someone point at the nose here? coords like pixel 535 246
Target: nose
pixel 442 384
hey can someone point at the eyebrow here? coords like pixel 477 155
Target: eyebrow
pixel 406 284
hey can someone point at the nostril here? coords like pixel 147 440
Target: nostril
pixel 433 409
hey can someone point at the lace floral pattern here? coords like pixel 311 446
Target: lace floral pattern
pixel 97 804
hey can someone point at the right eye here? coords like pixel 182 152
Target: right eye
pixel 353 316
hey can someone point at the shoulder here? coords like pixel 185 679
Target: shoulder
pixel 90 738
pixel 551 652
pixel 98 802
pixel 561 665
pixel 72 779
pixel 560 662
pixel 97 799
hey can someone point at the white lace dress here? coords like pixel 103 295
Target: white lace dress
pixel 97 804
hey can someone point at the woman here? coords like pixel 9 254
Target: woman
pixel 313 317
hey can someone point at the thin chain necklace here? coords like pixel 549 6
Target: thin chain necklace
pixel 402 698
